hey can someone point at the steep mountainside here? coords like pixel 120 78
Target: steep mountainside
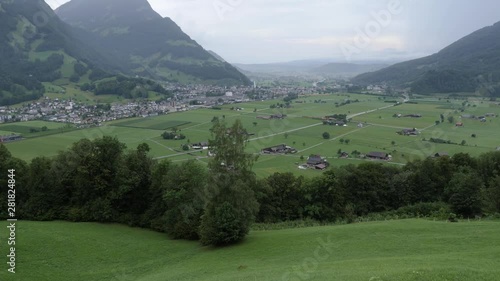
pixel 467 65
pixel 147 44
pixel 36 47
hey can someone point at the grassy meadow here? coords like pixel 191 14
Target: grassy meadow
pixel 405 250
pixel 373 127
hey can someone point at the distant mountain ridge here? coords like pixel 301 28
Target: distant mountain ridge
pixel 312 67
pixel 347 69
pixel 470 64
pixel 131 32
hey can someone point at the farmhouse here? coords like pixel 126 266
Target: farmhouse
pixel 278 116
pixel 279 149
pixel 413 115
pixel 378 156
pixel 200 145
pixel 274 116
pixel 317 162
pixel 409 132
pixel 468 116
pixel 10 138
pixel 490 115
pixel 459 124
pixel 441 154
pixel 498 148
pixel 334 123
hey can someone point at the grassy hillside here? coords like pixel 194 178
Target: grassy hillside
pixel 36 47
pixel 406 250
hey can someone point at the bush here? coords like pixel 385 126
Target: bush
pixel 222 226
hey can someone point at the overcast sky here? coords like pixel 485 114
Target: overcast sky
pixel 262 31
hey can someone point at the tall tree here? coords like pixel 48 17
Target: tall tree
pixel 183 195
pixel 230 202
pixel 463 192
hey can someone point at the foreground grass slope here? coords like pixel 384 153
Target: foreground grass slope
pixel 407 250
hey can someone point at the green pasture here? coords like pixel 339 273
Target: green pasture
pixel 378 133
pixel 151 123
pixel 24 128
pixel 405 250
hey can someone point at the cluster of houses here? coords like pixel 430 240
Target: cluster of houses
pixel 279 149
pixel 409 132
pixel 408 115
pixel 379 156
pixel 481 118
pixel 335 123
pixel 274 116
pixel 317 162
pixel 69 111
pixel 200 146
pixel 10 138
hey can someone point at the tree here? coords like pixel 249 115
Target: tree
pixel 342 141
pixel 283 200
pixel 326 135
pixel 463 192
pixel 347 141
pixel 255 124
pixel 492 195
pixel 286 135
pixel 442 118
pixel 451 119
pixel 183 194
pixel 231 205
pixel 132 196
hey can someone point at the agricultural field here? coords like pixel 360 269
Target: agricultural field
pixel 34 129
pixel 404 250
pixel 373 127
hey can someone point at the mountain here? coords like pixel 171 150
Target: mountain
pixel 467 65
pixel 281 68
pixel 318 67
pixel 37 47
pixel 40 53
pixel 215 55
pixel 347 69
pixel 147 44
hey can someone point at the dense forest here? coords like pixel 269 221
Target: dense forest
pixel 102 181
pixel 129 88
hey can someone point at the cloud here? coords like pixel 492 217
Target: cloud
pixel 261 30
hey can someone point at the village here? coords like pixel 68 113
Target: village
pixel 185 97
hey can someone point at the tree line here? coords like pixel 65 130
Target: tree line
pixel 102 181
